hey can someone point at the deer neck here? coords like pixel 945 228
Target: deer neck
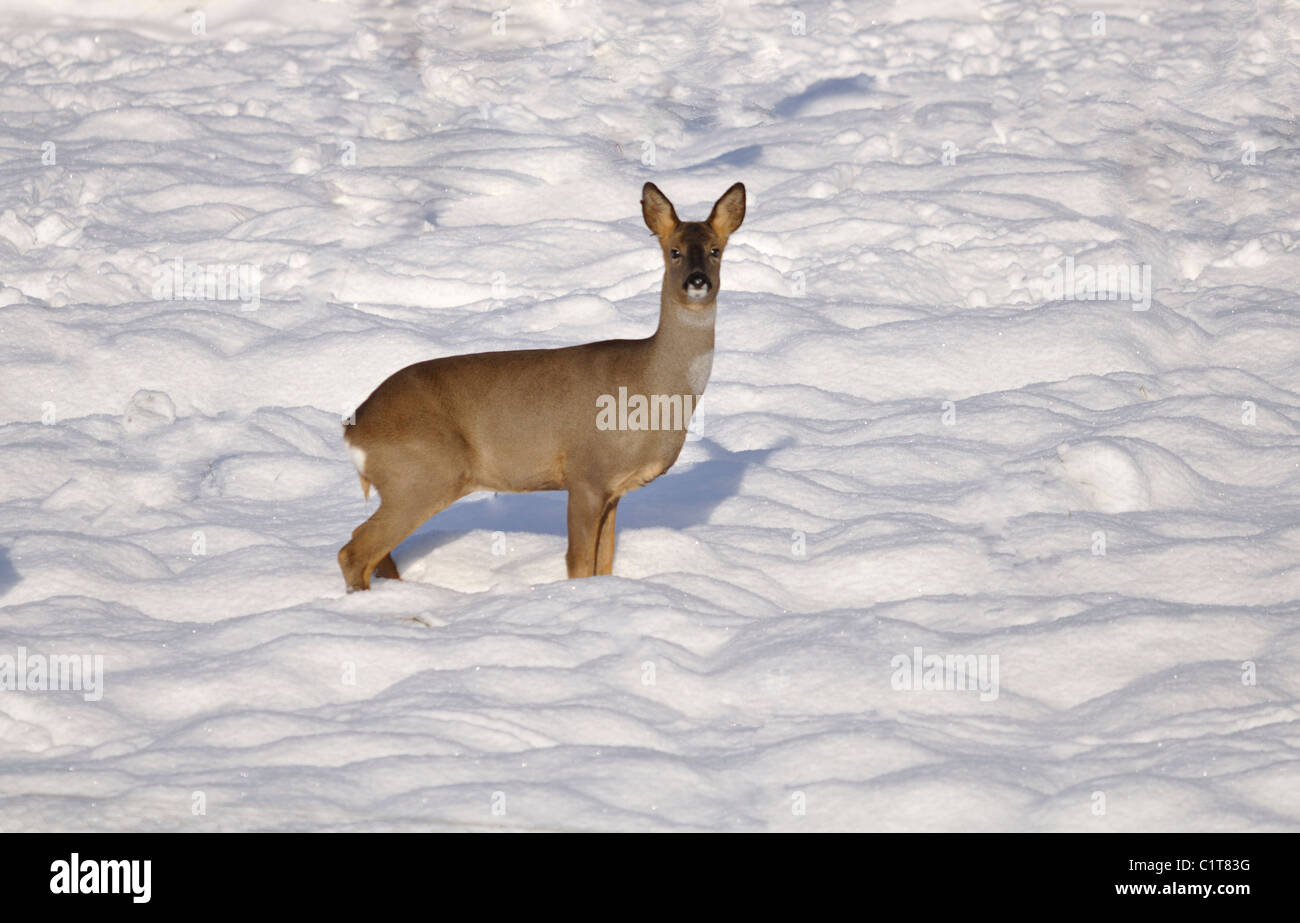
pixel 682 348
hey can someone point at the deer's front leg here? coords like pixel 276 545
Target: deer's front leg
pixel 586 510
pixel 605 542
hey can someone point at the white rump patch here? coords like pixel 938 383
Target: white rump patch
pixel 358 457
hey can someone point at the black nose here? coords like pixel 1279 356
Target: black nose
pixel 697 280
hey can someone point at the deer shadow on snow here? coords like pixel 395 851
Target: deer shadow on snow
pixel 678 499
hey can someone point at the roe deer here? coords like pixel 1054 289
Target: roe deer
pixel 543 419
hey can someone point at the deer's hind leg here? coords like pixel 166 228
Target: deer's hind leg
pixel 387 568
pixel 397 517
pixel 406 501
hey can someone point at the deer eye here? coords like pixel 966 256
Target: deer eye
pixel 675 254
pixel 715 253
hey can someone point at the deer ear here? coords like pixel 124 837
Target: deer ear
pixel 658 211
pixel 728 211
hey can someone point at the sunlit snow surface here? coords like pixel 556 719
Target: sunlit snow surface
pixel 896 394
